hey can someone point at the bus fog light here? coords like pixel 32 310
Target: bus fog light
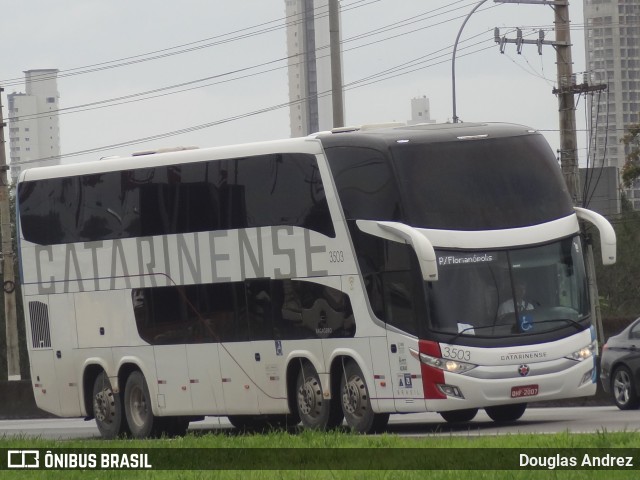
pixel 584 353
pixel 587 377
pixel 450 390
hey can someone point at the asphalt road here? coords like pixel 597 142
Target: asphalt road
pixel 535 420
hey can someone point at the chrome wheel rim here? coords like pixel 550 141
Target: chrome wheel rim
pixel 104 406
pixel 355 400
pixel 310 398
pixel 139 408
pixel 621 387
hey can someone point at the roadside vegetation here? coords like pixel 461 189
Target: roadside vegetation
pixel 457 449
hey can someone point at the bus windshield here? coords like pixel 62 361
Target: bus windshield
pixel 509 292
pixel 480 185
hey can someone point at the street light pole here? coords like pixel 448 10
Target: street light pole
pixel 453 60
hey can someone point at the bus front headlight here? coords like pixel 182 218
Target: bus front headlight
pixel 446 364
pixel 584 353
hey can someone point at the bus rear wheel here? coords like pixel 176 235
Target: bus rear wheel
pixel 315 411
pixel 356 402
pixel 459 416
pixel 137 407
pixel 506 413
pixel 107 408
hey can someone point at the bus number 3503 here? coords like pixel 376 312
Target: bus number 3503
pixel 456 353
pixel 336 256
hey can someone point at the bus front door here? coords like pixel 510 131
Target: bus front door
pixel 405 373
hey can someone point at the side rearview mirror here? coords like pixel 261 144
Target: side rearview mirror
pixel 607 233
pixel 399 232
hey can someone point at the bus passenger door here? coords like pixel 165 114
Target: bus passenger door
pixel 405 373
pixel 402 308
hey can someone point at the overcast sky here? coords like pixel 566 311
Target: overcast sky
pixel 378 35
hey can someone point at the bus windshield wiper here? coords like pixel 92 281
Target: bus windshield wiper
pixel 461 332
pixel 573 323
pixel 568 320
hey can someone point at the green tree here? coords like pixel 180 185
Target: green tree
pixel 631 168
pixel 618 284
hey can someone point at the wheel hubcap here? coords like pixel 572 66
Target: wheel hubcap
pixel 104 406
pixel 621 385
pixel 310 397
pixel 139 411
pixel 354 396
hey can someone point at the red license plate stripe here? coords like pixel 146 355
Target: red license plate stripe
pixel 524 391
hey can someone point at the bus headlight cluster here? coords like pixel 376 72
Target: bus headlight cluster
pixel 584 353
pixel 448 365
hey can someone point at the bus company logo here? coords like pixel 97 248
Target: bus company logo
pixel 23 459
pixel 524 370
pixel 523 356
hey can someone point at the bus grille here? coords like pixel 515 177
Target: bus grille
pixel 40 332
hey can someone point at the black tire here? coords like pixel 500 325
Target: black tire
pixel 506 413
pixel 356 402
pixel 137 406
pixel 623 389
pixel 459 416
pixel 315 411
pixel 262 423
pixel 107 409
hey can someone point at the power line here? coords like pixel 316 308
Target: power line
pixel 219 40
pixel 156 93
pixel 194 128
pixel 189 47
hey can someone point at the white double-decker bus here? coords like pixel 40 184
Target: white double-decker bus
pixel 347 275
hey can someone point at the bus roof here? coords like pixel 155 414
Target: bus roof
pixel 174 156
pixel 381 135
pixel 424 133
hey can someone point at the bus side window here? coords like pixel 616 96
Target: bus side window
pixel 304 310
pixel 259 309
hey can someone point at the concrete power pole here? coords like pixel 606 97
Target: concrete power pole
pixel 566 91
pixel 10 317
pixel 336 64
pixel 566 102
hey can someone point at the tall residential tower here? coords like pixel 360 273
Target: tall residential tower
pixel 613 58
pixel 34 131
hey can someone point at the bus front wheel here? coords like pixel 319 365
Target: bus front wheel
pixel 107 408
pixel 137 407
pixel 459 416
pixel 315 411
pixel 356 402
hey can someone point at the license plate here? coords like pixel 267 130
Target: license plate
pixel 524 391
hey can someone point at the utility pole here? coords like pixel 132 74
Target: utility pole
pixel 566 91
pixel 566 102
pixel 336 64
pixel 9 287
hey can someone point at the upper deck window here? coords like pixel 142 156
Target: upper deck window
pixel 265 190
